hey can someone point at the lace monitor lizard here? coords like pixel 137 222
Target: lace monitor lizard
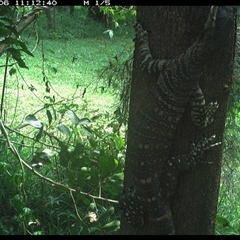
pixel 150 136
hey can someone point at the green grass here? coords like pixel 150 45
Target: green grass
pixel 89 55
pixel 65 76
pixel 67 63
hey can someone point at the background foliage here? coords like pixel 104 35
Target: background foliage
pixel 58 117
pixel 228 207
pixel 64 103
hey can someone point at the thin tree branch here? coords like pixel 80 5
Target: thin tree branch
pixel 30 17
pixel 16 154
pixel 25 136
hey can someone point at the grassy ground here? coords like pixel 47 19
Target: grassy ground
pixel 69 64
pixel 75 61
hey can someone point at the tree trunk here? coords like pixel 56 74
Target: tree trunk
pixel 172 29
pixel 51 21
pixel 54 19
pixel 49 18
pixel 71 10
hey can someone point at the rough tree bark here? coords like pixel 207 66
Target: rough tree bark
pixel 172 29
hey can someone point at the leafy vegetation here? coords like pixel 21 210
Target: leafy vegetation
pixel 228 210
pixel 62 148
pixel 62 142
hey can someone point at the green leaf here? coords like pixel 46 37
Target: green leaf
pixel 6 20
pixel 77 227
pixel 80 162
pixel 118 141
pixel 94 180
pixel 45 153
pixel 49 115
pixel 113 186
pixel 116 25
pixel 5 11
pixel 105 215
pixel 88 132
pixel 14 52
pixel 50 50
pixel 85 230
pixel 118 176
pixel 72 116
pixel 54 112
pixel 39 135
pixel 12 29
pixel 92 207
pixel 47 87
pixel 12 71
pixel 106 164
pixel 63 129
pixel 64 155
pixel 21 63
pixel 105 31
pixel 78 150
pixel 84 121
pixel 3 33
pixel 80 180
pixel 222 221
pixel 93 142
pixel 112 226
pixel 96 117
pixel 11 40
pixel 80 196
pixel 32 120
pixel 16 55
pixel 27 213
pixel 94 229
pixel 54 70
pixel 110 33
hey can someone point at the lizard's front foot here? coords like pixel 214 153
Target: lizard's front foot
pixel 140 32
pixel 205 144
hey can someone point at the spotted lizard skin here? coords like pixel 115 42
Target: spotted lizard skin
pixel 150 137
